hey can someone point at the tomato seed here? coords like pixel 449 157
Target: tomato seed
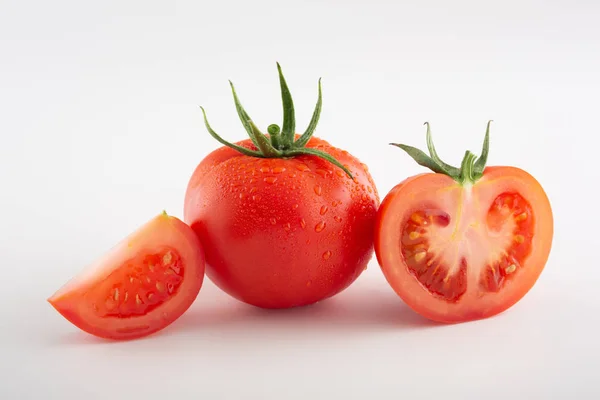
pixel 519 238
pixel 413 235
pixel 420 256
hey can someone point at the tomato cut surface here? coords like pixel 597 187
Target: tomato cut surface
pixel 463 244
pixel 142 285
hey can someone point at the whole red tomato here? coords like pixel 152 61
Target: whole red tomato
pixel 285 219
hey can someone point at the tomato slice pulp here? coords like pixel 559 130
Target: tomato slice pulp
pixel 458 252
pixel 143 284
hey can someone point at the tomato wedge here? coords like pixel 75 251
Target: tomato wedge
pixel 143 284
pixel 466 243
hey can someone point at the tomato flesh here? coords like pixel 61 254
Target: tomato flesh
pixel 141 286
pixel 512 215
pixel 457 253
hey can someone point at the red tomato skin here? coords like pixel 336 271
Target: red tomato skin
pixel 281 233
pixel 74 300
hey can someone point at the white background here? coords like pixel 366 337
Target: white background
pixel 100 131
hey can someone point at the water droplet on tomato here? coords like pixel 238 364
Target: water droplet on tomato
pixel 295 206
pixel 264 169
pixel 322 172
pixel 287 226
pixel 273 221
pixel 326 255
pixel 337 218
pixel 270 179
pixel 303 223
pixel 302 167
pixel 339 172
pixel 318 190
pixel 323 210
pixel 320 226
pixel 278 170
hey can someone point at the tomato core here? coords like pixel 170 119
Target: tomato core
pixel 436 249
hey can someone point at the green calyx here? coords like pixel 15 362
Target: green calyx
pixel 471 168
pixel 281 142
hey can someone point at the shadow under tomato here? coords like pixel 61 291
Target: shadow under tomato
pixel 78 337
pixel 364 308
pixel 358 310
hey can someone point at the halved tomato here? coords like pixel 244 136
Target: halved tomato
pixel 144 283
pixel 463 243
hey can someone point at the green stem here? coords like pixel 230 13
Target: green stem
pixel 289 118
pixel 243 115
pixel 480 164
pixel 467 174
pixel 452 170
pixel 280 143
pixel 302 140
pixel 422 158
pixel 264 144
pixel 274 134
pixel 321 154
pixel 471 168
pixel 241 149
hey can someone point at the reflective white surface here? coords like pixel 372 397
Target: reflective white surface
pixel 101 130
